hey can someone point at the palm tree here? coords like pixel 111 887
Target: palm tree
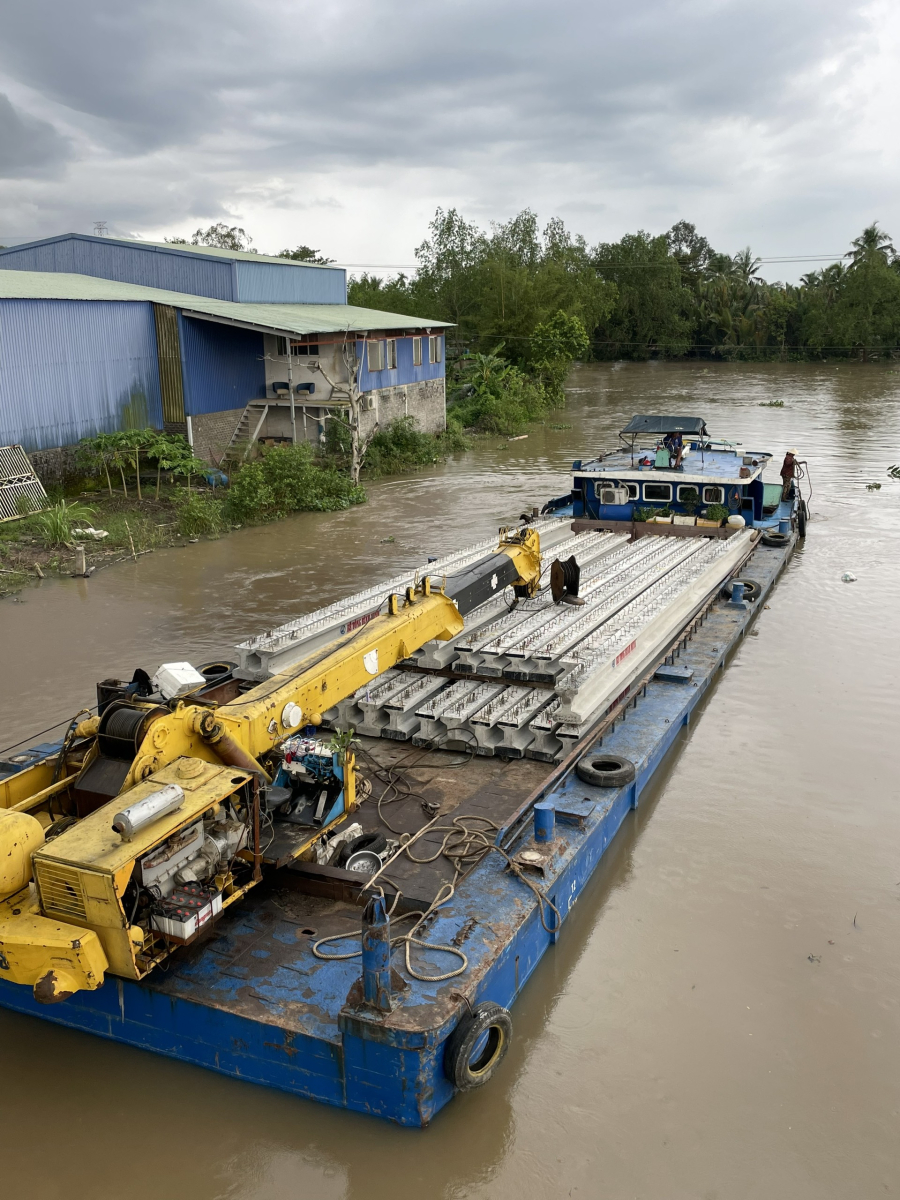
pixel 746 266
pixel 873 244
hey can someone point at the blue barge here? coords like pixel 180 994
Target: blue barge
pixel 286 989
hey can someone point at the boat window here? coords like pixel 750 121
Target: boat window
pixel 633 491
pixel 687 491
pixel 713 495
pixel 657 491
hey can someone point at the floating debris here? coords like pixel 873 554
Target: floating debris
pixel 848 577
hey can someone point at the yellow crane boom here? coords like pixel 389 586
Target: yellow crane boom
pixel 63 931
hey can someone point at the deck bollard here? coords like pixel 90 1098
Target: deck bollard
pixel 737 594
pixel 544 821
pixel 376 955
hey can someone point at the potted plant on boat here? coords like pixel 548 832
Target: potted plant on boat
pixel 663 516
pixel 642 515
pixel 690 498
pixel 714 516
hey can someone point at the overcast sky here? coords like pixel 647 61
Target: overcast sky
pixel 343 125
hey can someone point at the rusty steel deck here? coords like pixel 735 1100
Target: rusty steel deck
pixel 254 1001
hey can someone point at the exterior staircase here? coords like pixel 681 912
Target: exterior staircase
pixel 248 427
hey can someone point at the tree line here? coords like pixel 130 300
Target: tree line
pixel 665 295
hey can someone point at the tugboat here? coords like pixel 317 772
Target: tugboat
pixel 669 471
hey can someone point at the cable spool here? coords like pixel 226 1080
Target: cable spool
pixel 122 730
pixel 565 579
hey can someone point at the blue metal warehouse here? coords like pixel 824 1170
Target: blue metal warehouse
pixel 196 270
pixel 80 354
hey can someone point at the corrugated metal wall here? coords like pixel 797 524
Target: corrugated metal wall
pixel 223 366
pixel 178 270
pixel 150 266
pixel 260 283
pixel 405 372
pixel 71 368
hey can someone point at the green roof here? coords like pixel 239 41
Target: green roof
pixel 280 318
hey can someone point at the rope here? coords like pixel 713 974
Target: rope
pixel 465 847
pixel 406 940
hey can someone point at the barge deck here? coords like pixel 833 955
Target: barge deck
pixel 265 999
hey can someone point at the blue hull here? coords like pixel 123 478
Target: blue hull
pixel 273 1014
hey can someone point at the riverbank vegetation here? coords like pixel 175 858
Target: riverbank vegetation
pixel 647 295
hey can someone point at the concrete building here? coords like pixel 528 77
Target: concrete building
pixel 80 353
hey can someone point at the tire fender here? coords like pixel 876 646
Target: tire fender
pixel 477 1046
pixel 605 770
pixel 752 589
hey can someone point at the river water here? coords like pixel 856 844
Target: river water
pixel 721 1016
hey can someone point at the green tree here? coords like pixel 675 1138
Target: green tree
pixel 653 304
pixel 304 254
pixel 226 237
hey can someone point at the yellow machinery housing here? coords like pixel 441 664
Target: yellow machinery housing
pixel 79 903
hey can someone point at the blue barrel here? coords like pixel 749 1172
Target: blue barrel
pixel 784 525
pixel 544 821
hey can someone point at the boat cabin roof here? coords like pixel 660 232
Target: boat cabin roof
pixel 709 465
pixel 665 424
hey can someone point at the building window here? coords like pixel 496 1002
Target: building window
pixel 434 349
pixel 417 352
pixel 391 361
pixel 281 347
pixel 713 495
pixel 375 356
pixel 657 491
pixel 304 349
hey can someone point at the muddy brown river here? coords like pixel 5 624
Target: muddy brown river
pixel 721 1016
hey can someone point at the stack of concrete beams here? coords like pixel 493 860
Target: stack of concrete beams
pixel 544 673
pixel 278 649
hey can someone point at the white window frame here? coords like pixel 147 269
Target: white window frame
pixel 434 350
pixel 685 487
pixel 375 356
pixel 417 352
pixel 634 491
pixel 390 357
pixel 656 499
pixel 718 496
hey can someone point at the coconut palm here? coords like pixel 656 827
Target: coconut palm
pixel 746 267
pixel 872 245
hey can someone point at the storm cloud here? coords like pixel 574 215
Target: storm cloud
pixel 344 125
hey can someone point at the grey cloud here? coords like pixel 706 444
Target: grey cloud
pixel 188 108
pixel 28 147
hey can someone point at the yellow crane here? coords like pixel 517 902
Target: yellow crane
pixel 117 888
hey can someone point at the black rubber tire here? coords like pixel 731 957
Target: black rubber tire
pixel 376 842
pixel 802 516
pixel 485 1018
pixel 218 670
pixel 777 540
pixel 605 770
pixel 752 589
